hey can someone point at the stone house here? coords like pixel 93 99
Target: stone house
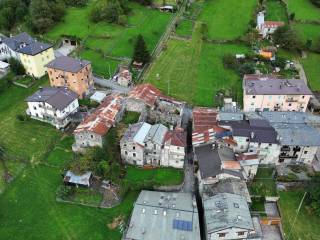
pixel 72 73
pixel 265 28
pixel 53 105
pixel 269 93
pixel 92 130
pixel 124 76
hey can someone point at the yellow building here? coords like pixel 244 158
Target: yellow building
pixel 35 56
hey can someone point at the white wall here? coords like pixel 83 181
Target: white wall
pixel 231 233
pixel 172 156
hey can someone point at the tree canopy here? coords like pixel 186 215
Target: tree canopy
pixel 141 53
pixel 286 38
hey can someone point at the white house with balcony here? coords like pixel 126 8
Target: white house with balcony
pixel 53 105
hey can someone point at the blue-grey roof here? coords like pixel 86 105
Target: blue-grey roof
pixel 58 97
pixel 16 42
pixel 227 210
pixel 229 116
pixel 297 134
pixel 156 134
pixel 34 48
pixel 163 216
pixel 290 117
pixel 68 64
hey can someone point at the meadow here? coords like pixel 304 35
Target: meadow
pixel 227 19
pixel 275 11
pixel 308 32
pixel 311 67
pixel 303 9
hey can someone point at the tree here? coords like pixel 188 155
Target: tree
pixel 141 53
pixel 316 3
pixel 229 61
pixel 317 45
pixel 11 12
pixel 247 68
pixel 309 44
pixel 286 38
pixel 76 3
pixel 292 16
pixel 16 67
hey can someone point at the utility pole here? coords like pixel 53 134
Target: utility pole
pixel 297 212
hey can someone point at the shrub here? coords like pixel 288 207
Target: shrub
pixel 76 3
pixel 64 192
pixel 16 67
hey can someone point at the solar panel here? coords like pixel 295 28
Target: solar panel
pixel 182 225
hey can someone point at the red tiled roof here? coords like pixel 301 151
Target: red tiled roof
pixel 176 137
pixel 232 165
pixel 273 24
pixel 103 118
pixel 146 93
pixel 246 156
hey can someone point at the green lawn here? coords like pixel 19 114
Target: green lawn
pixel 111 39
pixel 264 172
pixel 303 9
pixel 227 19
pixel 131 117
pixel 184 28
pixel 29 211
pixel 311 67
pixel 158 176
pixel 306 226
pixel 87 196
pixel 308 32
pixel 275 11
pixel 61 153
pixel 194 71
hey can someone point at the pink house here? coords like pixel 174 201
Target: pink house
pixel 269 93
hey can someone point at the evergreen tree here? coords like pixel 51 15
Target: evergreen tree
pixel 141 53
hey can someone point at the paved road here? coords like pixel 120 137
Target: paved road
pixel 110 84
pixel 189 178
pixel 302 74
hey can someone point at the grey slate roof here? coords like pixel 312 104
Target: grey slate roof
pixel 263 132
pixel 227 210
pixel 68 64
pixel 156 134
pixel 290 117
pixel 210 160
pixel 34 48
pixel 270 85
pixel 17 41
pixel 58 97
pixel 297 134
pixel 154 215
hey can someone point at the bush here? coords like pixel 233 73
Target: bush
pixel 21 117
pixel 76 3
pixel 64 192
pixel 247 68
pixel 16 67
pixel 286 38
pixel 229 61
pixel 316 3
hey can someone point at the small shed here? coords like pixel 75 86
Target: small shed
pixel 98 96
pixel 167 8
pixel 4 67
pixel 81 180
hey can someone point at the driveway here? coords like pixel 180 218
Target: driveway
pixel 110 84
pixel 302 74
pixel 189 180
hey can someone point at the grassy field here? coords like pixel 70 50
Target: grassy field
pixel 275 11
pixel 29 211
pixel 111 39
pixel 184 28
pixel 303 9
pixel 194 71
pixel 227 19
pixel 308 32
pixel 311 67
pixel 306 226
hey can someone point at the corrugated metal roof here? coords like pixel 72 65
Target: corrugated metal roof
pixel 141 134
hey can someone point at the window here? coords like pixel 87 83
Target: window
pixel 91 136
pixel 236 205
pixel 125 152
pixel 221 235
pixel 270 144
pixel 290 104
pixel 241 233
pixel 35 108
pixel 302 97
pixel 305 152
pixel 134 148
pixel 134 154
pixel 253 96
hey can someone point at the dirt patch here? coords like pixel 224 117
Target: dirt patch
pixel 116 222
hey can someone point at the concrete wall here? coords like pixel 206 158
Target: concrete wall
pixel 80 82
pixel 88 139
pixel 132 153
pixel 134 105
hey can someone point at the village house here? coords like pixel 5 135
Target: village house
pixel 227 216
pixel 10 46
pixel 265 28
pixel 91 131
pixel 72 73
pixel 53 105
pixel 298 140
pixel 216 163
pixel 145 144
pixel 124 76
pixel 255 135
pixel 249 162
pixel 269 93
pixel 163 216
pixel 35 56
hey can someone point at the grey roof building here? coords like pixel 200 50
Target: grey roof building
pixel 210 161
pixel 156 134
pixel 34 48
pixel 257 130
pixel 58 98
pixel 228 213
pixel 271 85
pixel 163 216
pixel 68 64
pixel 18 41
pixel 291 117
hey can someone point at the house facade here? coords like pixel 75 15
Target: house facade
pixel 35 56
pixel 91 131
pixel 53 105
pixel 269 93
pixel 72 73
